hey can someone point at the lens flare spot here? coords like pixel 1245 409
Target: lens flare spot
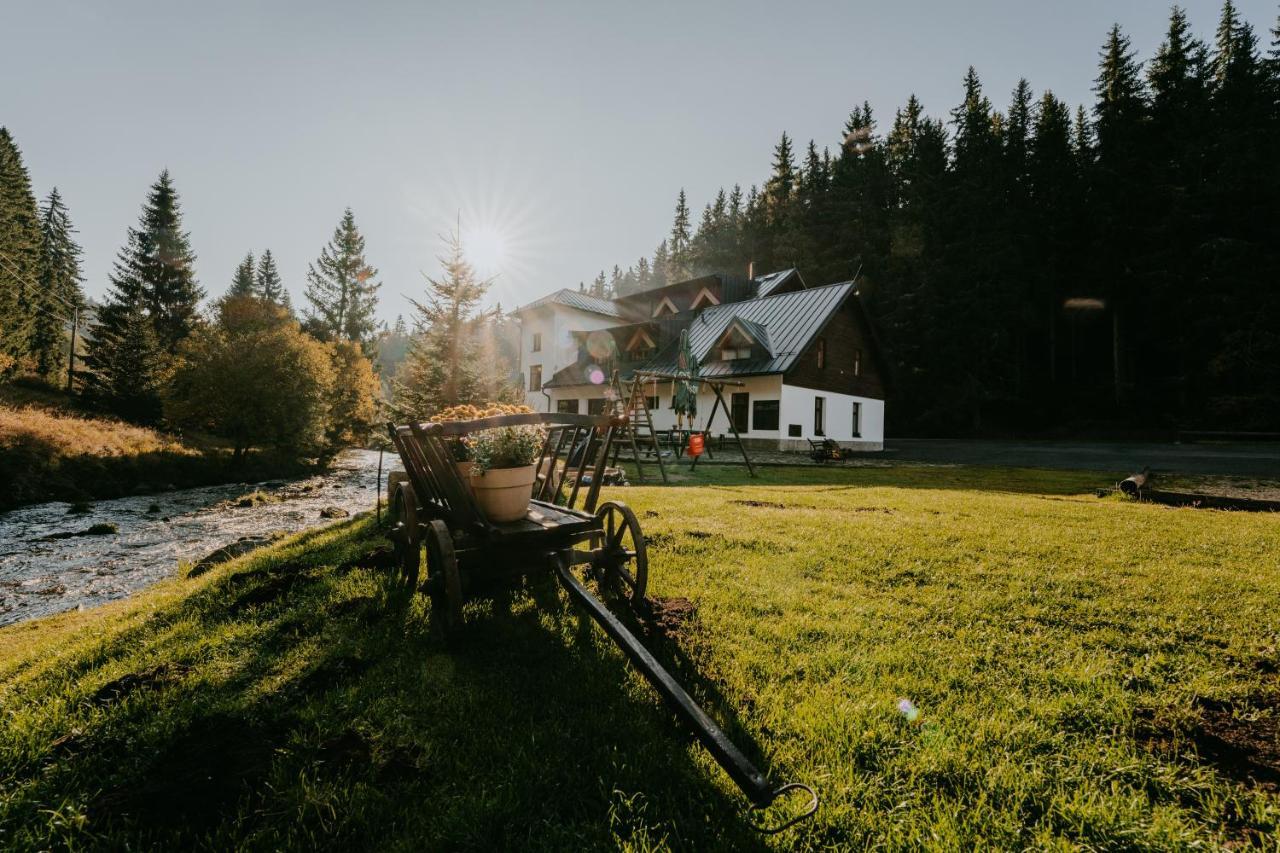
pixel 595 375
pixel 601 345
pixel 908 709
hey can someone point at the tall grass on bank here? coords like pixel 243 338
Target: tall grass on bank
pixel 48 452
pixel 956 658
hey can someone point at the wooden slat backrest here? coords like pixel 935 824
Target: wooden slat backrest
pixel 457 495
pixel 580 441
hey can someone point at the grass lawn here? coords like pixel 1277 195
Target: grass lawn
pixel 1084 673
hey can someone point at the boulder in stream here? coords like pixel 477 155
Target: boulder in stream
pixel 334 512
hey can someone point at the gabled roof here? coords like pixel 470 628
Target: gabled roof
pixel 575 299
pixel 767 284
pixel 789 320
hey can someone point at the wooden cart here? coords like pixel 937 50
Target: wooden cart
pixel 565 527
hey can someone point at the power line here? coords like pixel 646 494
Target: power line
pixel 11 265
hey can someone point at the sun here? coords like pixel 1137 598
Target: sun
pixel 485 246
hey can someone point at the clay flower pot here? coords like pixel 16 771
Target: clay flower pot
pixel 503 493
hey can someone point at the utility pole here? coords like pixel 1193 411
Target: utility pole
pixel 71 356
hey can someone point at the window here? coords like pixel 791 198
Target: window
pixel 567 407
pixel 734 353
pixel 595 405
pixel 537 341
pixel 819 415
pixel 739 405
pixel 857 364
pixel 652 403
pixel 535 377
pixel 793 430
pixel 857 419
pixel 822 354
pixel 764 415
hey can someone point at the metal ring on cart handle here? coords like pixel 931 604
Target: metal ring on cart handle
pixel 808 812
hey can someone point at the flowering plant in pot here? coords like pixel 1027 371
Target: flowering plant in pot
pixel 502 473
pixel 460 447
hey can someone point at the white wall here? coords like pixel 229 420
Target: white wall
pixel 798 407
pixel 555 323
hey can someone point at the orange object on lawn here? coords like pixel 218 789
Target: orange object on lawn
pixel 695 444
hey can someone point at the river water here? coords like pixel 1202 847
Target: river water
pixel 41 575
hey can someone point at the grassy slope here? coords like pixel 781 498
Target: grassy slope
pixel 49 451
pixel 1059 649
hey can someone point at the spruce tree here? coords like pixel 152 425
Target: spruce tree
pixel 268 283
pixel 129 365
pixel 20 242
pixel 342 290
pixel 163 261
pixel 59 294
pixel 679 261
pixel 242 282
pixel 659 269
pixel 600 286
pixel 446 364
pixel 153 285
pixel 643 276
pixel 1181 133
pixel 780 187
pixel 1119 184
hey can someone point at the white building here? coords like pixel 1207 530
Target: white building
pixel 805 356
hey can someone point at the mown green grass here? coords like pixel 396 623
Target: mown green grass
pixel 1061 651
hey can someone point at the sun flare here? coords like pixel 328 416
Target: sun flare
pixel 485 246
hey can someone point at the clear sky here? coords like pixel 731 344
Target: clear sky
pixel 560 131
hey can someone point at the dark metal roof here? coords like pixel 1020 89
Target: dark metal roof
pixel 789 320
pixel 767 284
pixel 576 299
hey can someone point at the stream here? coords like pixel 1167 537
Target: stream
pixel 42 574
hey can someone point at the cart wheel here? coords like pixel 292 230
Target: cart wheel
pixel 622 562
pixel 443 578
pixel 405 534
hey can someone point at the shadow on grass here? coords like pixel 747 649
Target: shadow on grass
pixel 331 714
pixel 902 475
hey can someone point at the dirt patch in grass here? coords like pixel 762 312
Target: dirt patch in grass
pixel 674 618
pixel 148 679
pixel 1243 743
pixel 765 504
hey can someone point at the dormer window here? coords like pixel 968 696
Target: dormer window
pixel 737 342
pixel 641 346
pixel 704 297
pixel 665 306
